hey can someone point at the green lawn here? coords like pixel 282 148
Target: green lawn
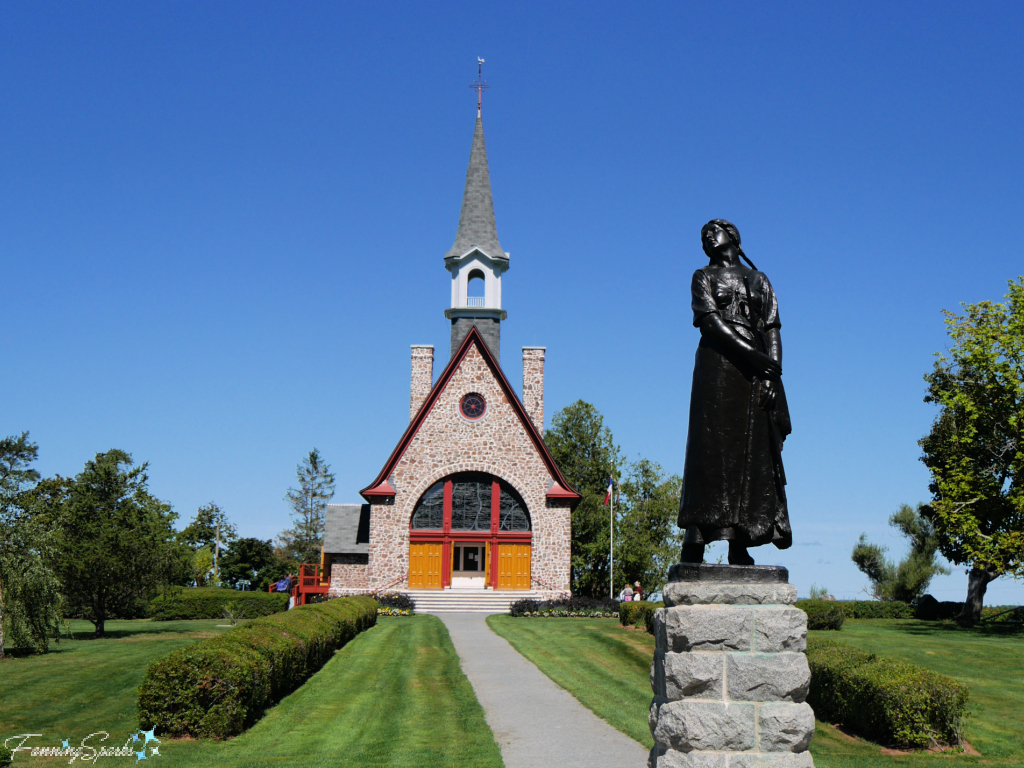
pixel 394 696
pixel 86 684
pixel 606 667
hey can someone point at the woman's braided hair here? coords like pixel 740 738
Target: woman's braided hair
pixel 733 233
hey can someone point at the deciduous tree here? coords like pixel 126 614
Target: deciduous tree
pixel 975 450
pixel 31 606
pixel 647 540
pixel 584 450
pixel 245 558
pixel 210 530
pixel 117 542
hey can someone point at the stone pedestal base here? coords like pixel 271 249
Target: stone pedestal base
pixel 729 673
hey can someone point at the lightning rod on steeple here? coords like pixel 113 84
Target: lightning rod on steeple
pixel 480 84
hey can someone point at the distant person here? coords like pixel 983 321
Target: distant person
pixel 637 593
pixel 285 584
pixel 626 594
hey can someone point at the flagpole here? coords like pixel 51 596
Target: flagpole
pixel 611 540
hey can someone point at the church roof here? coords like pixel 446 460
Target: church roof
pixel 347 529
pixel 476 221
pixel 560 488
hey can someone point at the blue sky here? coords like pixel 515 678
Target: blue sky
pixel 222 226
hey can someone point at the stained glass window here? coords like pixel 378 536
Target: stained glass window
pixel 473 406
pixel 512 516
pixel 429 514
pixel 471 504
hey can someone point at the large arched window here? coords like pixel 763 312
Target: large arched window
pixel 429 514
pixel 477 503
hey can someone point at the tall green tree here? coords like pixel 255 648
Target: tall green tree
pixel 303 540
pixel 908 579
pixel 210 525
pixel 584 450
pixel 31 605
pixel 975 450
pixel 117 542
pixel 210 530
pixel 647 540
pixel 245 559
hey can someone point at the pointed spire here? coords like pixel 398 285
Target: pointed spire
pixel 476 222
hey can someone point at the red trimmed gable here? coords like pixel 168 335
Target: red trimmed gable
pixel 381 487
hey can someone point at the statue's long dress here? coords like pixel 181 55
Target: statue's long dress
pixel 733 479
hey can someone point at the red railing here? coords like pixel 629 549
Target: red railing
pixel 310 581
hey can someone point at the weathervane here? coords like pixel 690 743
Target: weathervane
pixel 480 84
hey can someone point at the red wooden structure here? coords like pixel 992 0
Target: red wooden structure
pixel 312 580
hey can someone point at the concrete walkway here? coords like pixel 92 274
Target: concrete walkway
pixel 536 723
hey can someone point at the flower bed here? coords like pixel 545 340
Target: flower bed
pixel 386 611
pixel 567 608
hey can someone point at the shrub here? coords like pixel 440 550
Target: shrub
pixel 888 701
pixel 822 614
pixel 219 687
pixel 1002 615
pixel 930 609
pixel 210 602
pixel 575 607
pixel 396 600
pixel 638 614
pixel 866 609
pixel 524 607
pixel 876 609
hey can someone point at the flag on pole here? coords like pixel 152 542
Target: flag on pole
pixel 608 496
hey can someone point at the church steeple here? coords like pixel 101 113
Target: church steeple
pixel 476 260
pixel 477 228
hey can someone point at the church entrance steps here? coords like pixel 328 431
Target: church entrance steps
pixel 468 600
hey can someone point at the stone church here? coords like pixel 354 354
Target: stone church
pixel 470 498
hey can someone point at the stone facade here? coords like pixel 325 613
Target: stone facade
pixel 422 376
pixel 349 573
pixel 445 443
pixel 533 385
pixel 730 678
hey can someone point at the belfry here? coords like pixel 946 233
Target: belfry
pixel 470 509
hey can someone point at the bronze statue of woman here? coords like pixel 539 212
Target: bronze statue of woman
pixel 733 480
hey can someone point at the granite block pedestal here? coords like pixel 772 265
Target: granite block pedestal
pixel 729 672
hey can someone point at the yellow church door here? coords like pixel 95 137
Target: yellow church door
pixel 425 565
pixel 513 566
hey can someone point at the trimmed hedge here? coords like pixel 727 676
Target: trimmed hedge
pixel 822 614
pixel 876 609
pixel 865 609
pixel 890 702
pixel 638 613
pixel 210 602
pixel 219 687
